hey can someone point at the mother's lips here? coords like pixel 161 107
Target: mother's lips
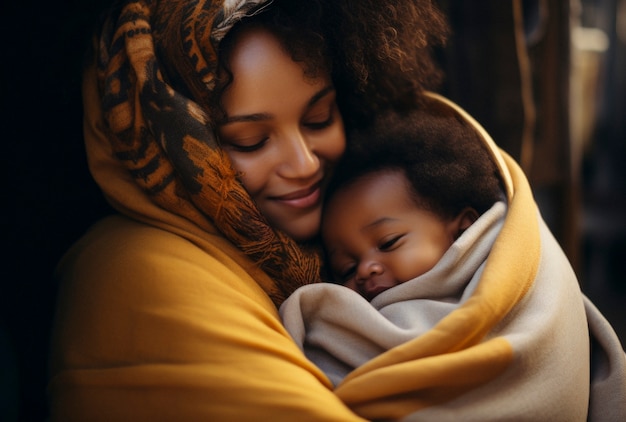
pixel 301 198
pixel 299 193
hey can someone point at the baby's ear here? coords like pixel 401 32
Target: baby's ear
pixel 463 220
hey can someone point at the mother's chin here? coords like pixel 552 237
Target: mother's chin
pixel 301 224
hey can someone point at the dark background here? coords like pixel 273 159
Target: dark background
pixel 49 198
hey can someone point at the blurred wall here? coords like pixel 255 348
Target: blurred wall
pixel 547 79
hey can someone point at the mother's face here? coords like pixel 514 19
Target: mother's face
pixel 282 131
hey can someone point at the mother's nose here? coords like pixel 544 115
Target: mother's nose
pixel 299 159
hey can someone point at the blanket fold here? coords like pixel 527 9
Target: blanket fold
pixel 341 331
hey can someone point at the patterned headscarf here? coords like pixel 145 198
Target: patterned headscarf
pixel 165 138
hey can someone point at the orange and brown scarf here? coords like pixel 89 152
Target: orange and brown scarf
pixel 165 138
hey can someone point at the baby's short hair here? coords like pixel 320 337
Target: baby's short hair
pixel 442 155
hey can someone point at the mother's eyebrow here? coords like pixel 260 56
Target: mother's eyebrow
pixel 257 117
pixel 320 94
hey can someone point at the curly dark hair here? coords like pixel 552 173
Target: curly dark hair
pixel 378 53
pixel 442 156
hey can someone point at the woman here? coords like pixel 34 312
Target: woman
pixel 212 128
pixel 169 309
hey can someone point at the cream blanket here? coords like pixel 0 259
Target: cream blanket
pixel 465 343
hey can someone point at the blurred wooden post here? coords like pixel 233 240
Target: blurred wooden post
pixel 508 64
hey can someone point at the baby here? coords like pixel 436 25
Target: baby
pixel 408 188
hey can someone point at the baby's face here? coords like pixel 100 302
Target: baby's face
pixel 376 237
